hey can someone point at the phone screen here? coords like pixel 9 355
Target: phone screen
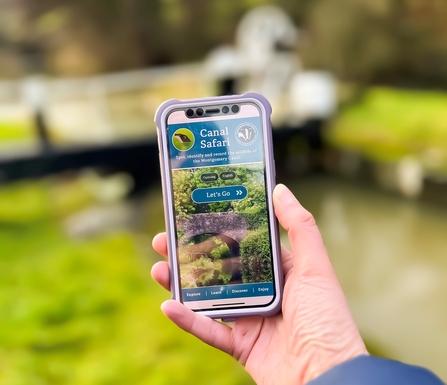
pixel 222 229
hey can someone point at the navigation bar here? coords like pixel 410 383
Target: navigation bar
pixel 228 291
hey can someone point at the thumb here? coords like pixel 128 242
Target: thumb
pixel 309 254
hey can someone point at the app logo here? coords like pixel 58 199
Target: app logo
pixel 183 139
pixel 246 134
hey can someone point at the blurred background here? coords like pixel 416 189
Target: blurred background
pixel 359 96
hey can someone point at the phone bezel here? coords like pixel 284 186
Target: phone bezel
pixel 265 111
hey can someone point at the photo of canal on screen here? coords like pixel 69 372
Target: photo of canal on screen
pixel 225 239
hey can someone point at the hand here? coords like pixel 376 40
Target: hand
pixel 315 329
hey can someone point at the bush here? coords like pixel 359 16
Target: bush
pixel 389 124
pixel 85 312
pixel 255 220
pixel 221 251
pixel 256 260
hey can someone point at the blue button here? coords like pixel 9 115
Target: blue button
pixel 219 194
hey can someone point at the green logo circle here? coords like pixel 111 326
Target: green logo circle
pixel 183 139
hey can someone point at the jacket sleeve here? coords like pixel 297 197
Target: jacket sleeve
pixel 369 370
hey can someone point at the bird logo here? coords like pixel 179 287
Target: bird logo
pixel 246 134
pixel 183 139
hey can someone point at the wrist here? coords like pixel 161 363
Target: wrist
pixel 321 360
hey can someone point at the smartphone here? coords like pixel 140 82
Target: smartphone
pixel 218 173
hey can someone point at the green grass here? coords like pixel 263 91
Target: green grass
pixel 16 131
pixel 87 312
pixel 389 124
pixel 25 202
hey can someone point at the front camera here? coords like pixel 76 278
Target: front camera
pixel 189 113
pixel 199 112
pixel 235 109
pixel 225 110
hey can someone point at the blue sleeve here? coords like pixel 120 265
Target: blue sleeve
pixel 369 370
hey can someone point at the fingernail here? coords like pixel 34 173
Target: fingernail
pixel 284 194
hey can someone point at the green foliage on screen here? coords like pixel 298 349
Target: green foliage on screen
pixel 256 257
pixel 186 181
pixel 221 251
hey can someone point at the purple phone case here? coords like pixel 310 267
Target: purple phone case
pixel 160 120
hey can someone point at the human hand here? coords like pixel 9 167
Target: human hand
pixel 315 330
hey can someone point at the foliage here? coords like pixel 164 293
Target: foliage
pixel 225 277
pixel 204 272
pixel 87 312
pixel 221 251
pixel 383 41
pixel 256 257
pixel 150 32
pixel 23 202
pixel 257 264
pixel 252 177
pixel 254 207
pixel 201 262
pixel 204 245
pixel 388 124
pixel 16 130
pixel 200 238
pixel 392 42
pixel 182 185
pixel 255 220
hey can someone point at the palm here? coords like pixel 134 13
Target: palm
pixel 278 350
pixel 261 348
pixel 264 345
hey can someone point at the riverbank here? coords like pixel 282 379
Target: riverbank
pixel 388 124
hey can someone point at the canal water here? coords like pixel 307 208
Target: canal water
pixel 390 255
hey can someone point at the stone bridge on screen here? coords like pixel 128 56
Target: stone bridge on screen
pixel 230 224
